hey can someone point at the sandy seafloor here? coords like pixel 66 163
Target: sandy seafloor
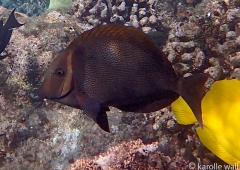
pixel 197 36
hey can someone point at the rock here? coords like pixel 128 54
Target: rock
pixel 215 72
pixel 230 35
pixel 152 19
pixel 134 21
pixel 143 21
pixel 233 14
pixel 236 74
pixel 122 6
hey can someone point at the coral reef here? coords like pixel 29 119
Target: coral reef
pixel 197 36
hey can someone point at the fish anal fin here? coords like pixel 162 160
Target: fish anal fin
pixel 92 109
pixel 102 120
pixel 191 90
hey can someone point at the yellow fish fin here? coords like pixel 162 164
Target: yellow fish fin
pixel 183 113
pixel 221 108
pixel 214 146
pixel 222 96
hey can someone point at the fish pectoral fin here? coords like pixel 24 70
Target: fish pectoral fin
pixel 92 109
pixel 90 106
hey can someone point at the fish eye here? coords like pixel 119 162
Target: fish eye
pixel 59 72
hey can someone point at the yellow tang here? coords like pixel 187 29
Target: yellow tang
pixel 221 119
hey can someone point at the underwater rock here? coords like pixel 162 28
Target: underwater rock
pixel 187 57
pixel 152 19
pixel 199 59
pixel 215 72
pixel 134 21
pixel 238 40
pixel 236 73
pixel 230 35
pixel 143 21
pixel 142 12
pixel 233 14
pixel 122 6
pixel 224 28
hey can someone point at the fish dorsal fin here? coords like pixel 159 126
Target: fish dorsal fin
pixel 12 21
pixel 119 33
pixel 92 109
pixel 110 31
pixel 107 34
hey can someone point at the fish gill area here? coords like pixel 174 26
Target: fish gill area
pixel 197 36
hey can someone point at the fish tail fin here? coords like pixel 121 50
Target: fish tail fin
pixel 210 141
pixel 191 90
pixel 12 21
pixel 182 112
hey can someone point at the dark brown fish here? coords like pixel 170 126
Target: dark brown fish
pixel 6 31
pixel 114 65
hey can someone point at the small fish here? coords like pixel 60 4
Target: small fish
pixel 6 31
pixel 221 119
pixel 119 66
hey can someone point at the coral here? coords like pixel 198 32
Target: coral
pixel 128 12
